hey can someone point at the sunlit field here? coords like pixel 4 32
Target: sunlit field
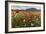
pixel 24 18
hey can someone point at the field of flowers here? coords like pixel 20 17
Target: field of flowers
pixel 26 19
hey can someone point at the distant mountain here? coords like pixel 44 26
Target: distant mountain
pixel 33 9
pixel 29 9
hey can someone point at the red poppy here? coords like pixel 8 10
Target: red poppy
pixel 17 11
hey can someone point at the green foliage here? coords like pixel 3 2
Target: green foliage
pixel 19 16
pixel 17 21
pixel 36 21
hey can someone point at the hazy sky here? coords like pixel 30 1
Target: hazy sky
pixel 25 7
